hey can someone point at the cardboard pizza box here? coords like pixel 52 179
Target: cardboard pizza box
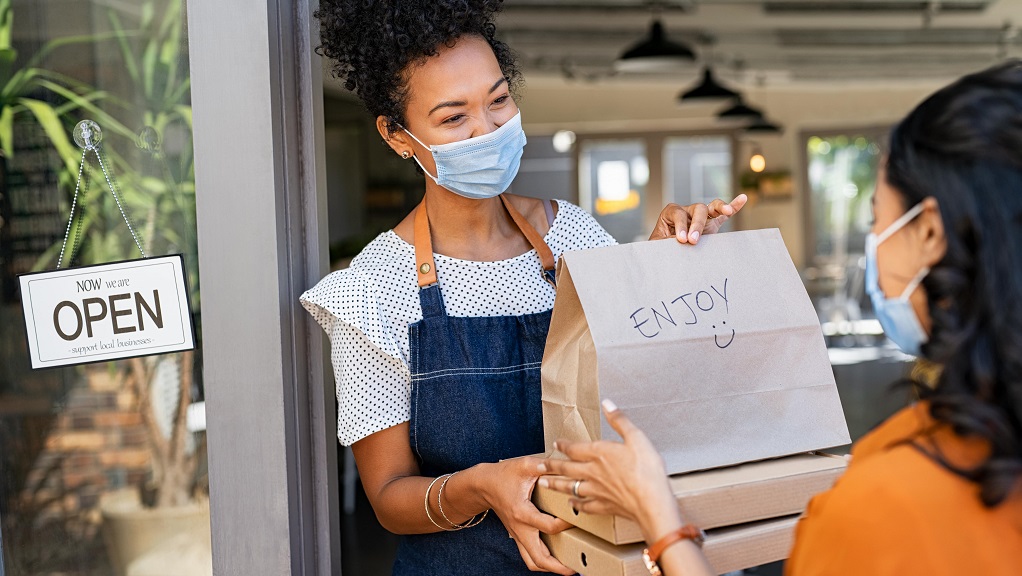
pixel 727 549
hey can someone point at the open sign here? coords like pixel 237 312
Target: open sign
pixel 107 312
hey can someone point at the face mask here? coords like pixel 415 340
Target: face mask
pixel 896 315
pixel 480 167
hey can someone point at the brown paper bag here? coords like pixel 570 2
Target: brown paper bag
pixel 714 350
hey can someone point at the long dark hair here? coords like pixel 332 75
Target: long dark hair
pixel 963 146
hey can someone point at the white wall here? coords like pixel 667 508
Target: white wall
pixel 552 104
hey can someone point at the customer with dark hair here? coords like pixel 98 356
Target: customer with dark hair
pixel 438 327
pixel 937 488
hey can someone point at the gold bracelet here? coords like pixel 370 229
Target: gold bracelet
pixel 426 503
pixel 479 521
pixel 471 522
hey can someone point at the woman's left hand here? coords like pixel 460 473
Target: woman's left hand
pixel 687 223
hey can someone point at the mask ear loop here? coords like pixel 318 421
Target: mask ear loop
pixel 916 281
pixel 416 156
pixel 900 222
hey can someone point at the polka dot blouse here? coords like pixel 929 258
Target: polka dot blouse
pixel 366 310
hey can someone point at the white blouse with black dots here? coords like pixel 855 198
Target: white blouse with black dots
pixel 366 310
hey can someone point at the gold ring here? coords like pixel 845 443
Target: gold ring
pixel 574 488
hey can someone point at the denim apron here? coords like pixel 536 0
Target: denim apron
pixel 475 398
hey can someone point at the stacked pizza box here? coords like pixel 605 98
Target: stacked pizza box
pixel 748 511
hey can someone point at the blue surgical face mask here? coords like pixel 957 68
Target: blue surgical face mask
pixel 480 167
pixel 896 315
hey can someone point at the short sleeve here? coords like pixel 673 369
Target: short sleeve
pixel 349 297
pixel 374 390
pixel 576 229
pixel 373 384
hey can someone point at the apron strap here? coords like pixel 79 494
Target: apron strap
pixel 425 267
pixel 537 242
pixel 424 264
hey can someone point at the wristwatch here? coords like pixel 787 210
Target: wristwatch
pixel 652 554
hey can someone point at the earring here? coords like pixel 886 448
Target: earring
pixel 405 154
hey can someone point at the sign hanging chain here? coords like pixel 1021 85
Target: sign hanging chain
pixel 88 135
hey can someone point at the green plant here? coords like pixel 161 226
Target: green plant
pixel 21 88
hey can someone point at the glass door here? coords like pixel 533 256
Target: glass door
pixel 89 453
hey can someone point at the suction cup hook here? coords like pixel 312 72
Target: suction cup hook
pixel 88 135
pixel 149 140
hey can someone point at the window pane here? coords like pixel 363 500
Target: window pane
pixel 842 176
pixel 697 170
pixel 84 448
pixel 613 175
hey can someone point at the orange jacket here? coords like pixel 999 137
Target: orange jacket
pixel 896 511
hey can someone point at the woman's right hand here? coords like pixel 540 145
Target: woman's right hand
pixel 626 479
pixel 509 495
pixel 619 478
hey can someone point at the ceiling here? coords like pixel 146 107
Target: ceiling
pixel 762 43
pixel 768 42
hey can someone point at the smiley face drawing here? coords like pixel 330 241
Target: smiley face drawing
pixel 717 337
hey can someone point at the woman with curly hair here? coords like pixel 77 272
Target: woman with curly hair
pixel 438 326
pixel 937 488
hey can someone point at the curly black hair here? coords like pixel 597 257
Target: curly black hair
pixel 963 146
pixel 372 43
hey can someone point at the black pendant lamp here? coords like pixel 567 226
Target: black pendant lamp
pixel 740 111
pixel 761 125
pixel 654 52
pixel 708 89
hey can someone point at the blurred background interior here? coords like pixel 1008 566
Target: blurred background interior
pixel 628 105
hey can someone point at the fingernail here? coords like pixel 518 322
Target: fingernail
pixel 557 446
pixel 609 406
pixel 543 482
pixel 694 236
pixel 541 467
pixel 728 210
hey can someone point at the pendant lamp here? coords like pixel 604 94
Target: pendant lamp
pixel 654 53
pixel 739 111
pixel 708 89
pixel 761 125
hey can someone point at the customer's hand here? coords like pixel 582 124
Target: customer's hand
pixel 688 223
pixel 510 497
pixel 620 478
